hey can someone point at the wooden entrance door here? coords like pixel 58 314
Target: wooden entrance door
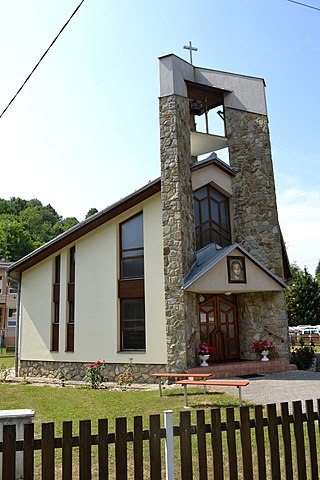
pixel 219 327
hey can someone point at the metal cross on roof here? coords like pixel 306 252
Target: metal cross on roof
pixel 190 48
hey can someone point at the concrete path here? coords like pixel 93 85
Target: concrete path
pixel 281 387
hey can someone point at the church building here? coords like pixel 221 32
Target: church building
pixel 195 256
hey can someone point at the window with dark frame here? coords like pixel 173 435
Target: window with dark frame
pixel 131 240
pixel 13 289
pixel 56 305
pixel 131 285
pixel 132 324
pixel 212 217
pixel 71 298
pixel 12 317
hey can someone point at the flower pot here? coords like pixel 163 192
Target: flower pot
pixel 265 354
pixel 204 359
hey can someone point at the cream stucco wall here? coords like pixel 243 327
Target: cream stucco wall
pixel 36 298
pixel 96 297
pixel 212 174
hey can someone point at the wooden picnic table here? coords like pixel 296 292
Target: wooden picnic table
pixel 179 375
pixel 227 383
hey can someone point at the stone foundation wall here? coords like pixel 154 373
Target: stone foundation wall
pixel 257 310
pixel 77 370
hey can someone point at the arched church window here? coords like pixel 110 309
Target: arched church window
pixel 212 218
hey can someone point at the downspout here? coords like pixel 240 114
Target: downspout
pixel 17 343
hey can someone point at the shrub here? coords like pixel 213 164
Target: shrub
pixel 303 357
pixel 127 377
pixel 4 372
pixel 62 377
pixel 94 374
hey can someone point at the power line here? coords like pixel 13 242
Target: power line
pixel 304 5
pixel 45 53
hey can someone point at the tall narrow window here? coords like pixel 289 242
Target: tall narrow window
pixel 131 285
pixel 56 306
pixel 132 324
pixel 71 286
pixel 132 262
pixel 212 220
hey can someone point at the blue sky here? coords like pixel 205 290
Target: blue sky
pixel 84 130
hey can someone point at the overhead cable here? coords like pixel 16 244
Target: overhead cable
pixel 45 53
pixel 304 5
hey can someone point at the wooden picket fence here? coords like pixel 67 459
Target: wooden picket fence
pixel 234 443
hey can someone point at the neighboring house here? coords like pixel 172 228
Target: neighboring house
pixel 194 256
pixel 8 308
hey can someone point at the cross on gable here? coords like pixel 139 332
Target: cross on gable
pixel 190 48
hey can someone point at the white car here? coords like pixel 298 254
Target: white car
pixel 310 331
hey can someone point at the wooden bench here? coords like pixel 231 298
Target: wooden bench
pixel 221 383
pixel 179 375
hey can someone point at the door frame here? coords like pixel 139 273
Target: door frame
pixel 214 336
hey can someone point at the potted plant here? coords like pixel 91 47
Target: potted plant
pixel 265 348
pixel 204 351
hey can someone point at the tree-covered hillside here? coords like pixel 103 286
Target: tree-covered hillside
pixel 26 225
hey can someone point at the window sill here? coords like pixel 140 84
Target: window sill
pixel 135 352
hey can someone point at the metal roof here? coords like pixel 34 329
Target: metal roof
pixel 213 159
pixel 212 254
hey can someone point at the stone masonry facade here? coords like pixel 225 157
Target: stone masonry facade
pixel 256 310
pixel 256 226
pixel 255 223
pixel 178 229
pixel 77 370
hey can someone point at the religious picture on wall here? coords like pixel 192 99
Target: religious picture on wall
pixel 236 270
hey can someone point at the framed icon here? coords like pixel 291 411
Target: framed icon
pixel 236 270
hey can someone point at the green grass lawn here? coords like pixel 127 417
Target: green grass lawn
pixel 6 361
pixel 56 404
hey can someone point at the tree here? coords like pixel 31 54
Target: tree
pixel 17 204
pixel 303 298
pixel 318 273
pixel 69 222
pixel 26 225
pixel 15 240
pixel 92 211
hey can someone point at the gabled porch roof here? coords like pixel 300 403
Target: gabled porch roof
pixel 209 273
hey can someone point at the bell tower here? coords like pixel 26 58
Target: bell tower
pixel 181 99
pixel 188 93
